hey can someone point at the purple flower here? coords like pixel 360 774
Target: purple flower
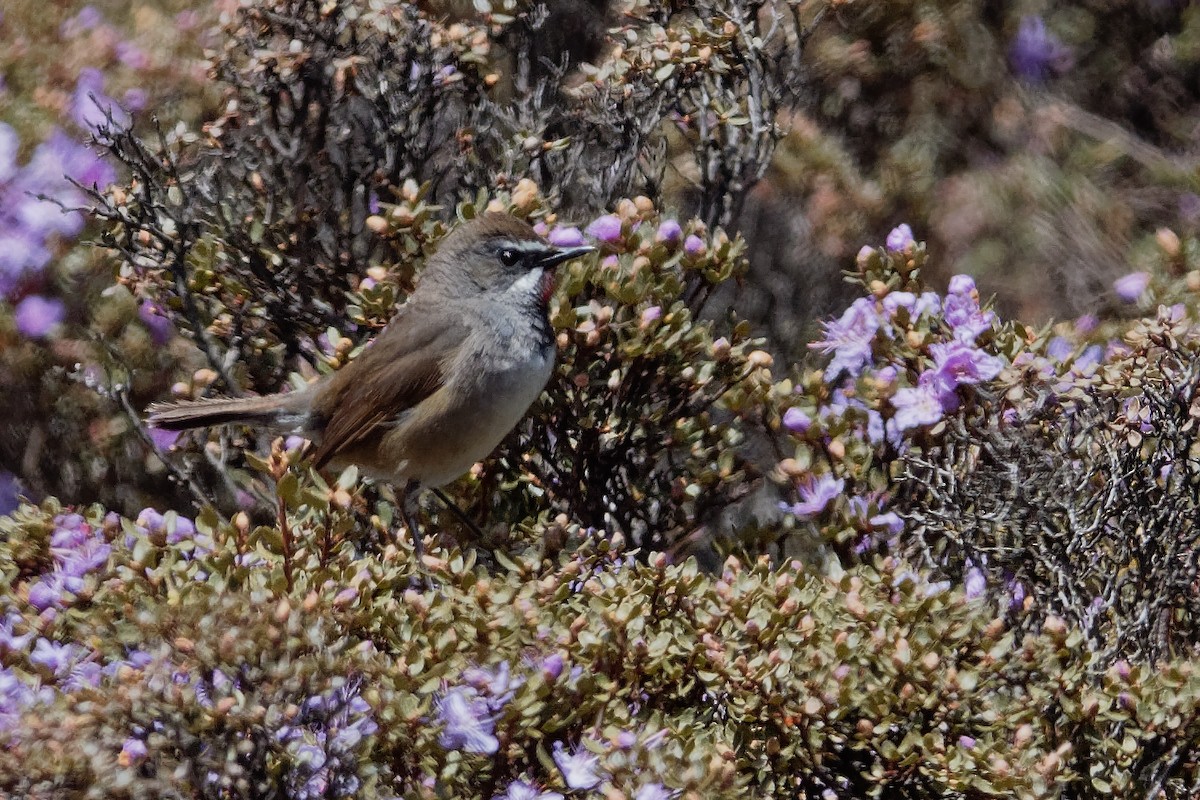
pixel 79 551
pixel 796 420
pixel 958 363
pixel 607 228
pixel 875 426
pixel 552 666
pixel 175 529
pixel 133 752
pixel 924 404
pixel 519 790
pixel 9 493
pixel 468 722
pixel 20 252
pixel 1090 357
pixel 37 316
pixel 187 19
pixel 694 246
pixel 900 238
pixel 927 303
pixel 132 56
pixel 889 521
pixel 33 200
pixel 91 107
pixel 580 770
pixel 1059 349
pixel 815 494
pixel 84 675
pixel 156 321
pixel 89 17
pixel 9 144
pixel 1035 53
pixel 1016 594
pixel 135 99
pixel 10 641
pixel 669 231
pixel 849 338
pixel 566 237
pixel 966 742
pixel 1131 287
pixel 961 285
pixel 496 683
pixel 56 657
pixel 962 312
pixel 653 791
pixel 61 155
pixel 16 697
pixel 650 315
pixel 46 592
pixel 975 583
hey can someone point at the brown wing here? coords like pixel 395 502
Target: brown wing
pixel 401 367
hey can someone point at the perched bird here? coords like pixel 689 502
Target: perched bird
pixel 446 380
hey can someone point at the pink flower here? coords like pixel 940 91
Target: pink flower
pixel 566 237
pixel 650 315
pixel 607 228
pixel 669 231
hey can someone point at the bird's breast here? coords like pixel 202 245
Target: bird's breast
pixel 490 390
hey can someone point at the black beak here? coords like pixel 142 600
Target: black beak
pixel 557 255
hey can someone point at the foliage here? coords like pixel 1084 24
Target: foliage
pixel 61 320
pixel 183 667
pixel 1084 494
pixel 963 549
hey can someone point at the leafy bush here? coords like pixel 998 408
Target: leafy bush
pixel 955 558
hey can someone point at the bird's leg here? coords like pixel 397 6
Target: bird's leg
pixel 458 512
pixel 408 512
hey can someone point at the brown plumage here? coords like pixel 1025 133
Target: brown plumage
pixel 186 415
pixel 443 383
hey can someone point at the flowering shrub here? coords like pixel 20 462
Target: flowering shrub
pixel 64 329
pixel 962 563
pixel 585 673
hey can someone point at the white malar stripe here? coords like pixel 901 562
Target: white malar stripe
pixel 528 283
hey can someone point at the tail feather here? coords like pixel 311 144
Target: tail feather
pixel 272 411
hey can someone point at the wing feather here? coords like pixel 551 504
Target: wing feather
pixel 403 366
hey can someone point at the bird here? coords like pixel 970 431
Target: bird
pixel 453 371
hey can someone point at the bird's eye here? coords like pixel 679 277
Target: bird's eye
pixel 509 257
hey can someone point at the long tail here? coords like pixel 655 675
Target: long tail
pixel 280 411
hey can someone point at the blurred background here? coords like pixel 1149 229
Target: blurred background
pixel 1048 149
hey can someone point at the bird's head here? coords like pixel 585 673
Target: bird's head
pixel 496 254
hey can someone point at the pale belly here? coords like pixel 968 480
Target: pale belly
pixel 460 424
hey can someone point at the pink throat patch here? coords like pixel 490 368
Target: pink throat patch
pixel 546 287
